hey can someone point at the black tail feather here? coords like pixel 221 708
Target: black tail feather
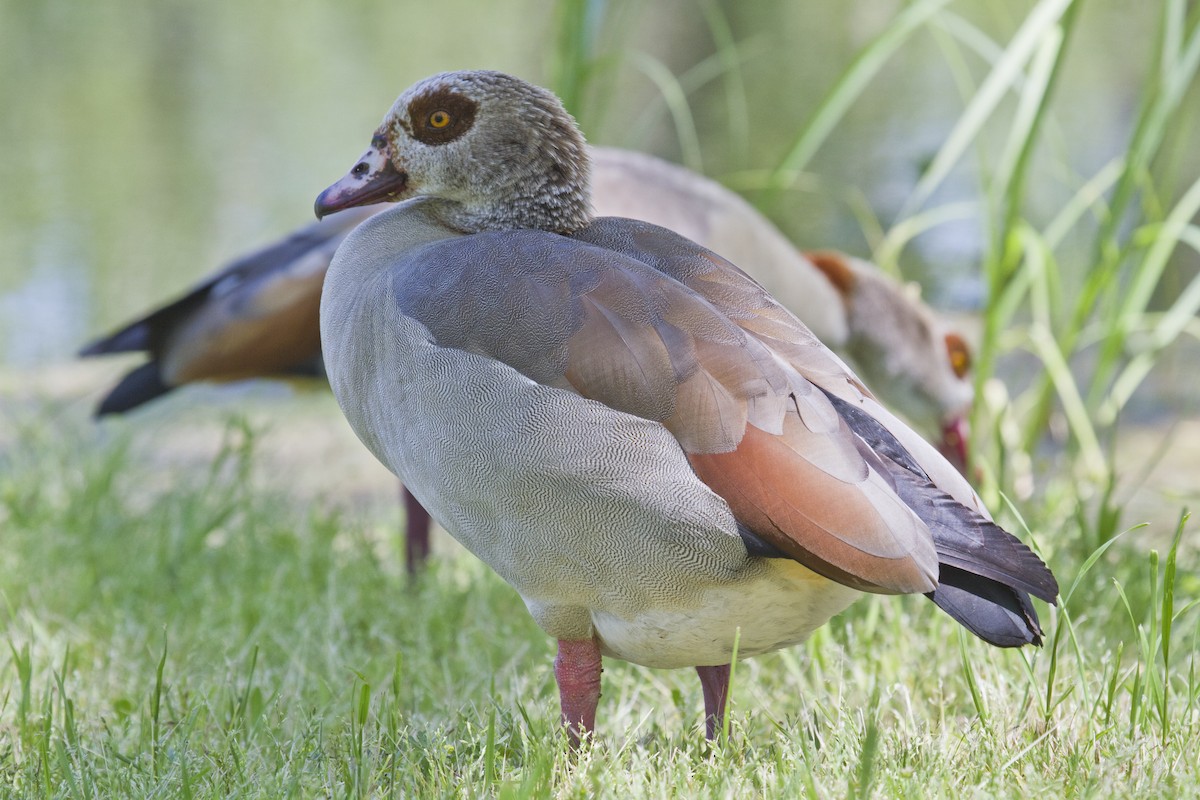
pixel 986 574
pixel 996 613
pixel 970 542
pixel 139 386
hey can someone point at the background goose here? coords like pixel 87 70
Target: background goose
pixel 257 317
pixel 653 452
pixel 889 339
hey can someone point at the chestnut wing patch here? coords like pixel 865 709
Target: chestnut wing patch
pixel 753 428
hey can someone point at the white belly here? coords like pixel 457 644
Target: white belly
pixel 779 607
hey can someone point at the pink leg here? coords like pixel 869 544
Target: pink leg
pixel 416 533
pixel 715 681
pixel 577 669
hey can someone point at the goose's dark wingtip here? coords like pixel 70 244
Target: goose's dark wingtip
pixel 995 612
pixel 130 339
pixel 139 386
pixel 1040 578
pixel 1043 585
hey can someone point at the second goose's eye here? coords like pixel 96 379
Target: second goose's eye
pixel 439 119
pixel 960 354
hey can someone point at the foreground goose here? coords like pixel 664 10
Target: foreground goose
pixel 257 317
pixel 655 454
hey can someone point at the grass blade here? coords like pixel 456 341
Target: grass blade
pixel 1003 77
pixel 849 86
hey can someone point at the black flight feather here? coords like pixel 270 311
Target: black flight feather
pixel 985 573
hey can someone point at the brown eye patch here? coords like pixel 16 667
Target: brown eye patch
pixel 441 116
pixel 960 354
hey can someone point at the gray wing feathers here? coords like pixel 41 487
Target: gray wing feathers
pixel 581 496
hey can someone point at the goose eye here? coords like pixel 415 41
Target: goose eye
pixel 960 354
pixel 440 116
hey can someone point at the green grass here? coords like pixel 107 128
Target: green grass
pixel 196 626
pixel 181 630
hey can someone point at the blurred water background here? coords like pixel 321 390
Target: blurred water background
pixel 145 143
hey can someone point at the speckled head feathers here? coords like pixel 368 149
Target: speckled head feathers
pixel 504 153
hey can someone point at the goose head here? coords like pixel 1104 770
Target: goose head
pixel 498 152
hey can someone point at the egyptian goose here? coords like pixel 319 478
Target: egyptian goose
pixel 257 317
pixel 631 432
